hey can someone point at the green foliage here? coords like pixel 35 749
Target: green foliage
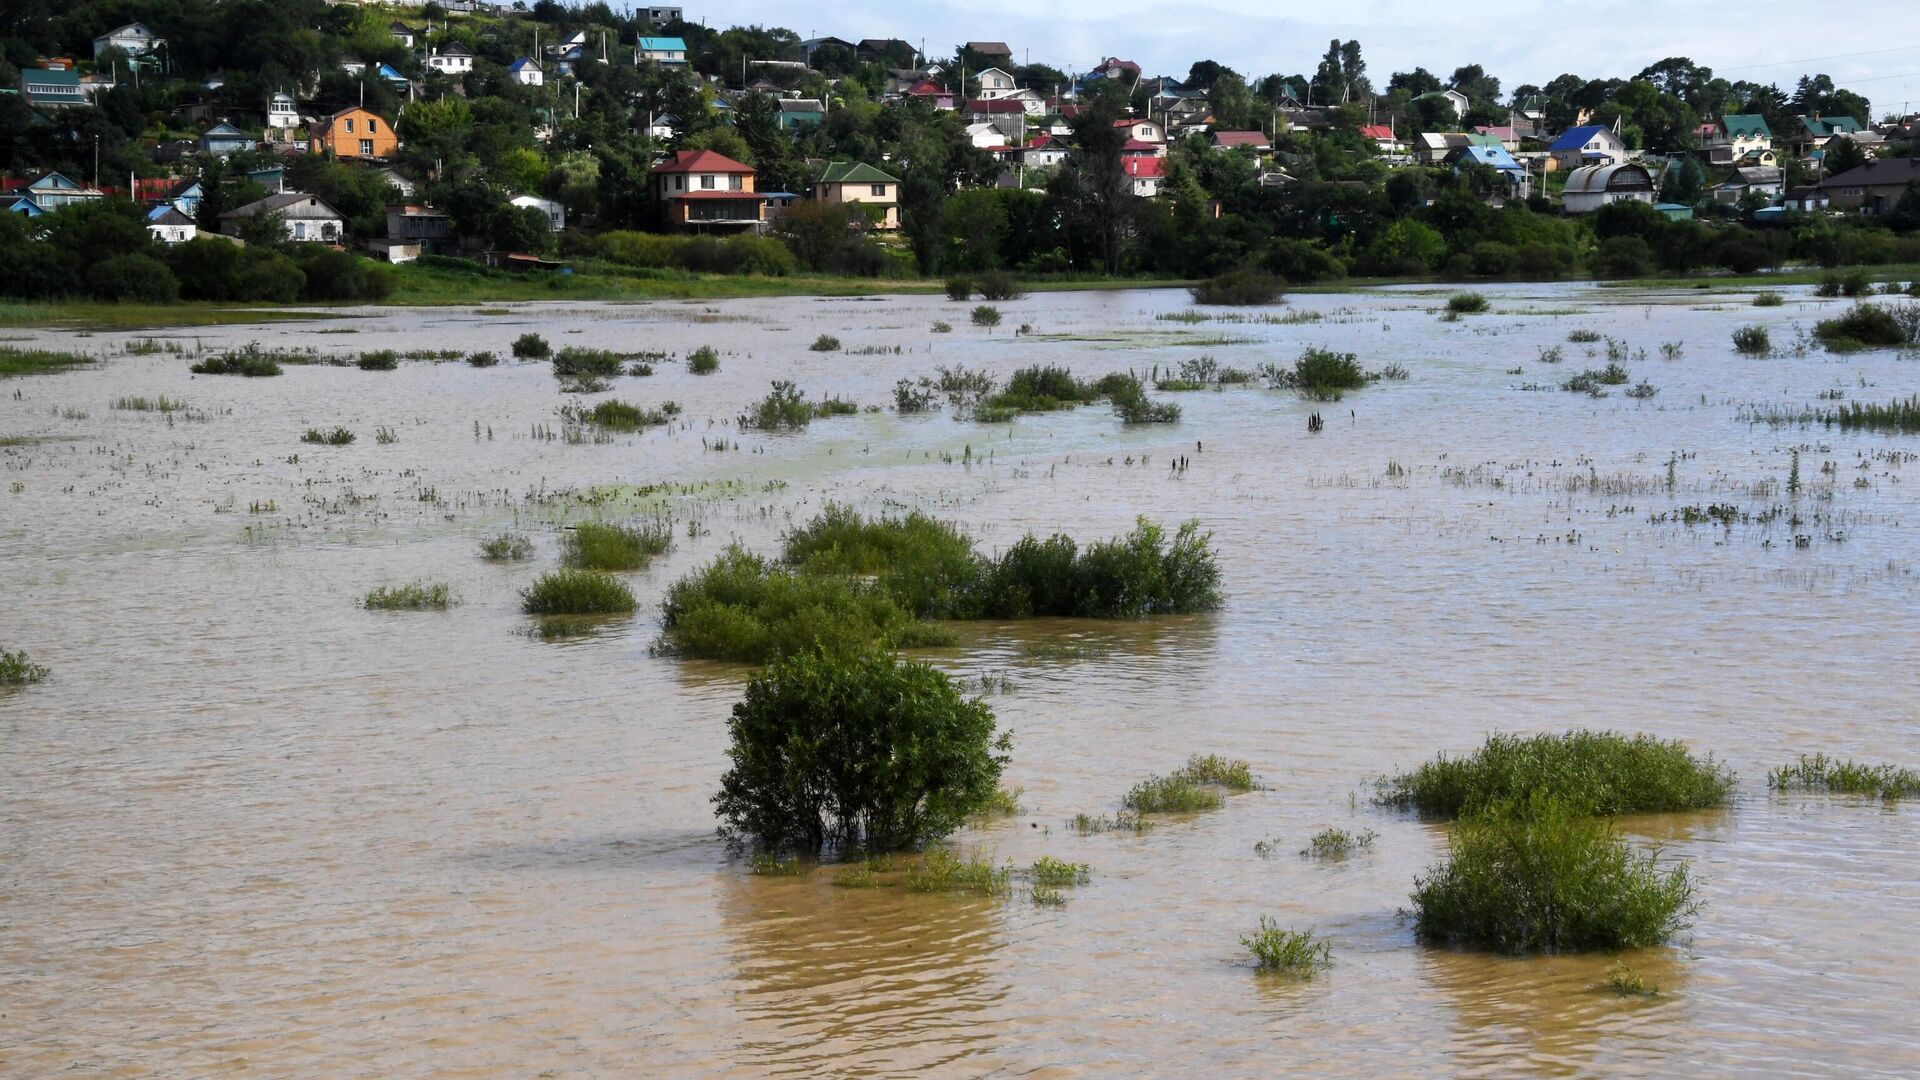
pixel 339 436
pixel 14 362
pixel 784 408
pixel 1175 794
pixel 924 562
pixel 594 545
pixel 856 750
pixel 986 315
pixel 1338 843
pixel 577 592
pixel 1818 772
pixel 942 872
pixel 382 360
pixel 417 596
pixel 1241 288
pixel 703 360
pixel 17 670
pixel 1597 772
pixel 1132 406
pixel 252 362
pixel 960 289
pixel 767 864
pixel 482 359
pixel 1234 775
pixel 998 286
pixel 1752 340
pixel 531 346
pixel 507 547
pixel 825 343
pixel 743 607
pixel 1055 873
pixel 1542 875
pixel 585 365
pixel 133 278
pixel 1142 573
pixel 1768 299
pixel 1897 415
pixel 616 415
pixel 1319 374
pixel 1865 326
pixel 1287 952
pixel 1467 303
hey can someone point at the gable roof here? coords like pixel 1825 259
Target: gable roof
pixel 1493 156
pixel 1746 126
pixel 1881 173
pixel 281 203
pixel 996 105
pixel 1832 125
pixel 165 214
pixel 990 48
pixel 854 172
pixel 689 161
pixel 1239 138
pixel 1140 167
pixel 522 64
pixel 663 44
pixel 1577 138
pixel 1377 131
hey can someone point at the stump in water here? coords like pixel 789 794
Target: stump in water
pixel 1314 423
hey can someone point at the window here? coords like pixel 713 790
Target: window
pixel 299 230
pixel 679 183
pixel 366 147
pixel 736 183
pixel 706 182
pixel 880 191
pixel 373 126
pixel 349 123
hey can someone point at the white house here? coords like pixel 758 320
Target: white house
pixel 1455 100
pixel 1591 187
pixel 283 111
pixel 666 51
pixel 403 34
pixel 169 226
pixel 1590 144
pixel 1145 130
pixel 985 136
pixel 353 65
pixel 134 39
pixel 526 72
pixel 1145 174
pixel 304 217
pixel 453 59
pixel 995 83
pixel 556 213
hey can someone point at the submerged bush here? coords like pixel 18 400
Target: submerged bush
pixel 703 360
pixel 744 607
pixel 998 285
pixel 784 408
pixel 1897 415
pixel 1466 303
pixel 986 315
pixel 1289 952
pixel 17 670
pixel 924 561
pixel 251 362
pixel 337 437
pixel 616 415
pixel 594 545
pixel 418 596
pixel 1768 299
pixel 531 347
pixel 41 361
pixel 381 360
pixel 1599 772
pixel 507 547
pixel 1173 794
pixel 1541 875
pixel 1818 772
pixel 577 592
pixel 1323 375
pixel 825 343
pixel 1240 288
pixel 482 359
pixel 1142 573
pixel 587 365
pixel 1752 340
pixel 1132 405
pixel 1866 326
pixel 959 289
pixel 862 750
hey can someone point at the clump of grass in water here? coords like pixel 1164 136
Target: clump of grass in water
pixel 1818 772
pixel 507 547
pixel 161 404
pixel 1768 299
pixel 381 360
pixel 417 596
pixel 703 360
pixel 15 362
pixel 1047 870
pixel 1287 952
pixel 784 408
pixel 1171 795
pixel 1601 772
pixel 1901 416
pixel 1584 337
pixel 17 670
pixel 251 362
pixel 825 343
pixel 986 315
pixel 941 327
pixel 1627 982
pixel 766 864
pixel 577 592
pixel 1868 326
pixel 1543 875
pixel 573 364
pixel 531 347
pixel 1090 824
pixel 1752 341
pixel 482 359
pixel 617 415
pixel 1238 288
pixel 337 437
pixel 943 871
pixel 1005 802
pixel 1233 775
pixel 1132 405
pixel 1338 843
pixel 596 545
pixel 1467 303
pixel 1319 375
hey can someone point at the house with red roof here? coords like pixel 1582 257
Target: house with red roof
pixel 1384 138
pixel 930 92
pixel 1145 173
pixel 704 191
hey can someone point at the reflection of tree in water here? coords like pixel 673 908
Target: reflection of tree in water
pixel 1553 1012
pixel 838 981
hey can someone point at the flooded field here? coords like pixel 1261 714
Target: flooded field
pixel 249 828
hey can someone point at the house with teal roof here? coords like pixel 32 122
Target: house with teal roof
pixel 665 51
pixel 1738 137
pixel 1811 133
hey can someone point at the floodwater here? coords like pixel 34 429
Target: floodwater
pixel 249 829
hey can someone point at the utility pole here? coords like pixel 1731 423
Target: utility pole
pixel 96 162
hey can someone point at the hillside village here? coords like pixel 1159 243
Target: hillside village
pixel 277 151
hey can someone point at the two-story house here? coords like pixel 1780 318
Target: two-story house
pixel 707 191
pixel 134 39
pixel 283 111
pixel 665 51
pixel 1739 139
pixel 59 89
pixel 852 183
pixel 1589 144
pixel 355 133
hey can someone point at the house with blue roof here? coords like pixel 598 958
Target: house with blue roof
pixel 1496 158
pixel 1589 144
pixel 526 72
pixel 223 140
pixel 23 205
pixel 387 72
pixel 665 51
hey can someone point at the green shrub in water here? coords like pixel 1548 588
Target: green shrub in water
pixel 1543 875
pixel 1866 326
pixel 1467 303
pixel 531 347
pixel 855 751
pixel 825 343
pixel 924 562
pixel 507 547
pixel 1752 340
pixel 418 596
pixel 986 315
pixel 1238 288
pixel 959 289
pixel 1768 299
pixel 703 360
pixel 383 360
pixel 743 607
pixel 250 362
pixel 586 365
pixel 1600 772
pixel 1818 772
pixel 1288 952
pixel 577 592
pixel 1142 573
pixel 594 545
pixel 17 670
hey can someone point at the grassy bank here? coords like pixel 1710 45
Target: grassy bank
pixel 96 315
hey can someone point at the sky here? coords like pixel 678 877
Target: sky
pixel 1869 46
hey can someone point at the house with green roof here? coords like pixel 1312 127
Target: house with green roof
pixel 58 89
pixel 1739 139
pixel 863 187
pixel 1811 133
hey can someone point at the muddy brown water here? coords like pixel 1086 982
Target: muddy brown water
pixel 247 828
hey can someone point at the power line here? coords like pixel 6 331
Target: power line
pixel 1819 59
